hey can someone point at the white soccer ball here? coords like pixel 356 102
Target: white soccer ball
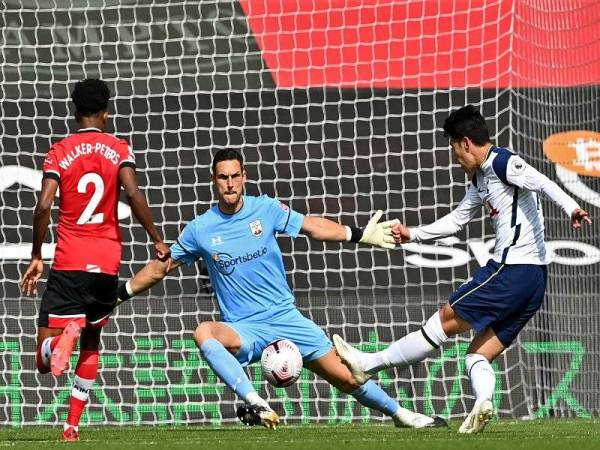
pixel 281 362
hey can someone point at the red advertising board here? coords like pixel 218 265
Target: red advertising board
pixel 428 43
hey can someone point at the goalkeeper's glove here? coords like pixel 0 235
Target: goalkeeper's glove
pixel 376 234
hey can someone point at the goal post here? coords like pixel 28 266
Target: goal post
pixel 337 108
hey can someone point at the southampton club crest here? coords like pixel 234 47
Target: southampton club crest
pixel 256 228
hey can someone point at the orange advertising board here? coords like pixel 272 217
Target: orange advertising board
pixel 578 151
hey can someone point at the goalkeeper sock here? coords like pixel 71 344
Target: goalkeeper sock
pixel 44 350
pixel 85 374
pixel 372 396
pixel 482 376
pixel 412 348
pixel 227 368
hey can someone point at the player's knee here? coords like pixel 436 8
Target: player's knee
pixel 446 314
pixel 90 338
pixel 203 332
pixel 213 330
pixel 451 323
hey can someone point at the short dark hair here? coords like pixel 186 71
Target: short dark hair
pixel 227 155
pixel 90 96
pixel 467 122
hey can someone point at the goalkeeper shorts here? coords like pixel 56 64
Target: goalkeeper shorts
pixel 87 298
pixel 258 332
pixel 501 296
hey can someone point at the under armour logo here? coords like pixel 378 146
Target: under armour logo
pixel 217 240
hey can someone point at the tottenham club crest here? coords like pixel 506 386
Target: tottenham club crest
pixel 256 228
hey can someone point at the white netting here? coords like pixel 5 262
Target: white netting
pixel 336 106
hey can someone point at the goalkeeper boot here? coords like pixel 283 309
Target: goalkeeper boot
pixel 59 361
pixel 70 434
pixel 252 415
pixel 478 418
pixel 405 418
pixel 351 359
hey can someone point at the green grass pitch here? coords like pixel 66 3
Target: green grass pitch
pixel 559 434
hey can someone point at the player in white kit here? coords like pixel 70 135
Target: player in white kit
pixel 504 294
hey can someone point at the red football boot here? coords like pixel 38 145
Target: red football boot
pixel 70 434
pixel 59 361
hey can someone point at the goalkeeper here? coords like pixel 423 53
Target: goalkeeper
pixel 236 239
pixel 505 293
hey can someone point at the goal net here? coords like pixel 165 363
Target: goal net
pixel 336 106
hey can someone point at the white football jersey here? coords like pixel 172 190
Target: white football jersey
pixel 508 187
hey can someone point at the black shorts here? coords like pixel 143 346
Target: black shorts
pixel 85 297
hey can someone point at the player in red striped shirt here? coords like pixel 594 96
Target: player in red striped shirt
pixel 90 167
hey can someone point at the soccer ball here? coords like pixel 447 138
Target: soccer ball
pixel 281 362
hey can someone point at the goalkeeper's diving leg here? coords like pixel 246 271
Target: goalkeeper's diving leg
pixel 217 343
pixel 369 394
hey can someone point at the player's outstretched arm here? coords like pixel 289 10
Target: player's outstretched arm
pixel 147 277
pixel 522 175
pixel 376 233
pixel 141 211
pixel 41 219
pixel 448 225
